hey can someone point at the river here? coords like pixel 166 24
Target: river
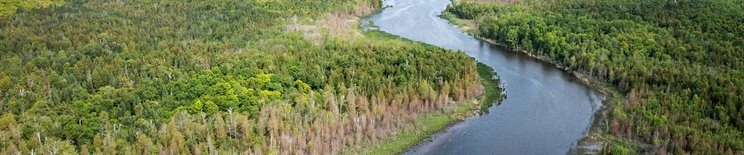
pixel 546 110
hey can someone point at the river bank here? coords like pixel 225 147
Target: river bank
pixel 547 110
pixel 433 123
pixel 429 123
pixel 595 139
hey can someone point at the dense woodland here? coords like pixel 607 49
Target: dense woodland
pixel 220 76
pixel 680 63
pixel 8 7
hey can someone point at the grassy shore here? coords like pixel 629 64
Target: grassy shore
pixel 432 123
pixel 493 93
pixel 426 125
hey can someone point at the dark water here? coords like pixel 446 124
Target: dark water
pixel 546 111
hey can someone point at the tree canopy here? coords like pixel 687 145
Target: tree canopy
pixel 679 62
pixel 221 76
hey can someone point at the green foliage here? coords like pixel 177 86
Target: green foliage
pixel 492 84
pixel 227 76
pixel 679 61
pixel 9 7
pixel 620 150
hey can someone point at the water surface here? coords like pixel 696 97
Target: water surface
pixel 546 110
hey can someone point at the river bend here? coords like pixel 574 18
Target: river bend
pixel 546 110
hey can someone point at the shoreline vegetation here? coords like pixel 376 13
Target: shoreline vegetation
pixel 611 95
pixel 153 77
pixel 642 112
pixel 429 124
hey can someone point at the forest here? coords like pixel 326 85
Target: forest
pixel 678 63
pixel 214 77
pixel 8 7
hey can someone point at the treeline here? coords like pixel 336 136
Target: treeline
pixel 223 76
pixel 679 62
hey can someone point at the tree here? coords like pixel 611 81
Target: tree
pixel 145 145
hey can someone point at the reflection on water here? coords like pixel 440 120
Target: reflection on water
pixel 546 110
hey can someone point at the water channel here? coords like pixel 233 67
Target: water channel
pixel 546 110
